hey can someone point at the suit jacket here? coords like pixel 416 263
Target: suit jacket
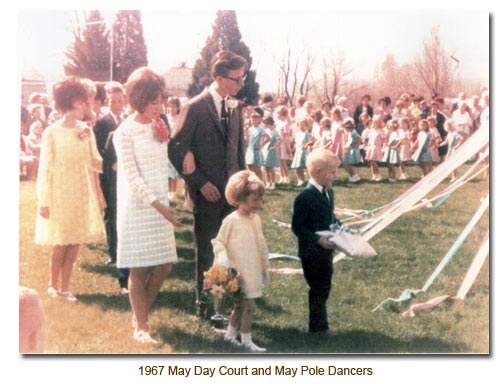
pixel 217 155
pixel 103 126
pixel 312 212
pixel 359 110
pixel 108 177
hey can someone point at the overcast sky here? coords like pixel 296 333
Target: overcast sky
pixel 364 37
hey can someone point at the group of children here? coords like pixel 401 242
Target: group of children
pixel 240 243
pixel 381 139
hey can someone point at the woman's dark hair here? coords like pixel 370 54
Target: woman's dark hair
pixel 225 61
pixel 267 99
pixel 67 92
pixel 100 92
pixel 268 120
pixel 143 87
pixel 175 101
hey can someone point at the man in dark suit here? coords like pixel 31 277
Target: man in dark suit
pixel 363 107
pixel 312 212
pixel 102 128
pixel 109 180
pixel 210 131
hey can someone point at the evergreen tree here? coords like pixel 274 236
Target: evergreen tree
pixel 88 55
pixel 129 47
pixel 225 36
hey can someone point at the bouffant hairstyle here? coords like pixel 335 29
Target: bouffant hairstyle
pixel 225 61
pixel 143 87
pixel 67 92
pixel 241 185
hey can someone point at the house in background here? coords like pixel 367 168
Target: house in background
pixel 177 80
pixel 32 81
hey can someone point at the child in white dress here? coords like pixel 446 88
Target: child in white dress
pixel 240 244
pixel 454 140
pixel 404 147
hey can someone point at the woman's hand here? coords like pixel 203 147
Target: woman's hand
pixel 44 212
pixel 168 213
pixel 189 164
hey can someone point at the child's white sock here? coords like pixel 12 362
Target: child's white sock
pixel 246 340
pixel 231 334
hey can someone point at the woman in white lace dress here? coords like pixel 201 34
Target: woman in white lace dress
pixel 145 222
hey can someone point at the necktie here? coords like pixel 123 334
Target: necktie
pixel 224 115
pixel 325 194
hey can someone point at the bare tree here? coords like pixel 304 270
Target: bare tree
pixel 295 68
pixel 335 72
pixel 435 69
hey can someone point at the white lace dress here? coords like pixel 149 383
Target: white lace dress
pixel 145 237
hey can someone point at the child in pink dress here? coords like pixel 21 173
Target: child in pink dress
pixel 284 130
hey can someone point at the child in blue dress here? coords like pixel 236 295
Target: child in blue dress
pixel 352 155
pixel 303 141
pixel 257 139
pixel 272 155
pixel 422 154
pixel 453 140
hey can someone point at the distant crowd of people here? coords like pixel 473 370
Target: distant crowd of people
pixel 414 130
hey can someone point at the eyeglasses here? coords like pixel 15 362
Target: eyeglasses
pixel 239 80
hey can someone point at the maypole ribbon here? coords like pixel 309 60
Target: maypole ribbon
pixel 408 294
pixel 475 267
pixel 467 230
pixel 472 273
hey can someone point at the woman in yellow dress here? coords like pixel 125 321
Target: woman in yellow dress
pixel 69 212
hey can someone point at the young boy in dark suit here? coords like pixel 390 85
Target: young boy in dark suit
pixel 313 212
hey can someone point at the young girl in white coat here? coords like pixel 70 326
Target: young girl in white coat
pixel 240 244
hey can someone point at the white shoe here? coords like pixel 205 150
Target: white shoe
pixel 377 178
pixel 403 176
pixel 392 180
pixel 52 292
pixel 232 339
pixel 272 186
pixel 249 344
pixel 300 183
pixel 144 337
pixel 68 296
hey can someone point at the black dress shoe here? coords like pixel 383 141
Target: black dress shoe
pixel 110 262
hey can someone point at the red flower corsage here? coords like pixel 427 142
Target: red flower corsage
pixel 160 130
pixel 83 132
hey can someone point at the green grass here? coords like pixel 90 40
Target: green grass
pixel 408 251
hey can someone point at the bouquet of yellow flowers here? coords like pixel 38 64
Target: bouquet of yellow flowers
pixel 220 282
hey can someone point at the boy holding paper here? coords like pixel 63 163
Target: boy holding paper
pixel 314 211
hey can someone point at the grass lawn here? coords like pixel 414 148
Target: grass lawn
pixel 408 252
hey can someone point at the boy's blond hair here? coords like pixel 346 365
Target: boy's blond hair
pixel 318 158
